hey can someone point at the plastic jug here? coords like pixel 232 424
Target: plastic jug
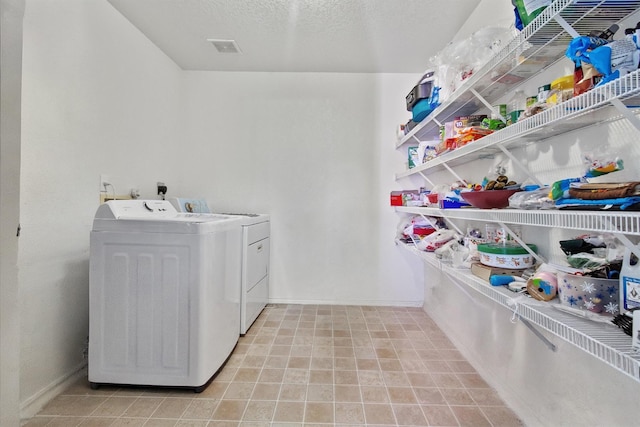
pixel 629 283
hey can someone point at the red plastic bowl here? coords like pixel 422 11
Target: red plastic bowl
pixel 488 199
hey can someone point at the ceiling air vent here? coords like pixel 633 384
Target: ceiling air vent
pixel 225 46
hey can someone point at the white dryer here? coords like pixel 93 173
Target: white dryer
pixel 164 305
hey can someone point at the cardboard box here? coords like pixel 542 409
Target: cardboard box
pixel 484 271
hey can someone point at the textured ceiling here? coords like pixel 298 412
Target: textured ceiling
pixel 359 36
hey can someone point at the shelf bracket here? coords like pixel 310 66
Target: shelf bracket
pixel 538 334
pixel 455 227
pixel 429 220
pixel 436 122
pixel 635 249
pixel 447 167
pixel 626 112
pixel 521 243
pixel 519 164
pixel 489 106
pixel 565 25
pixel 426 179
pixel 416 138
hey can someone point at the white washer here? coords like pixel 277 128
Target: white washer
pixel 164 296
pixel 255 258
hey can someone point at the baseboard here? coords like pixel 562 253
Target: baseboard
pixel 376 303
pixel 30 407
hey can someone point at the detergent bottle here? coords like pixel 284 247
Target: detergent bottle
pixel 629 283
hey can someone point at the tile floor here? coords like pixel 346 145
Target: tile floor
pixel 308 365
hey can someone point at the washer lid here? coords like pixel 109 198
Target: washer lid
pixel 156 216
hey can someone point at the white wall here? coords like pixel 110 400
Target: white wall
pixel 98 97
pixel 11 13
pixel 315 150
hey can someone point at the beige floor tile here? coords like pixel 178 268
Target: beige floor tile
pixel 167 422
pixel 461 366
pixel 253 361
pixel 370 378
pixel 343 352
pixel 367 364
pixel 229 410
pixel 457 396
pixel 247 375
pixel 283 341
pixel 114 406
pixel 446 380
pixel 396 378
pixel 142 407
pixel 345 377
pixel 172 407
pixel 302 350
pixel 318 412
pixel 401 395
pixel 266 391
pixel 270 375
pixel 280 350
pixel 485 397
pixel 289 412
pixel 321 363
pixel 296 376
pixel 472 381
pixel 226 374
pixel 201 409
pixel 421 379
pixel 320 393
pixel 379 414
pixel 215 390
pixel 75 405
pixel 347 393
pixel 259 410
pixel 97 422
pixel 439 415
pixel 429 395
pixel 470 416
pixel 374 394
pixel 129 422
pixel 299 362
pixel 318 376
pixel 64 421
pixel 294 392
pixel 390 364
pixel 345 363
pixel 349 413
pixel 238 391
pixel 276 362
pixel 409 415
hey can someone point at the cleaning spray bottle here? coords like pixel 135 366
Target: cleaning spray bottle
pixel 629 283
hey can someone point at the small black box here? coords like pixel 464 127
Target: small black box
pixel 420 91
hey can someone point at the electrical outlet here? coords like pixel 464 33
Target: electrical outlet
pixel 104 179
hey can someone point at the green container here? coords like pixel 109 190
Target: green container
pixel 529 9
pixel 493 248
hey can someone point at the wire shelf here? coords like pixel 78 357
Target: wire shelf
pixel 603 341
pixel 596 221
pixel 540 44
pixel 588 109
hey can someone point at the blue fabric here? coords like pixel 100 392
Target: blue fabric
pixel 622 202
